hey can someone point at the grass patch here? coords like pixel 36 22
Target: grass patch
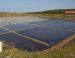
pixel 66 52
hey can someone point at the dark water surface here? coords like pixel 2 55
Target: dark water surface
pixel 47 30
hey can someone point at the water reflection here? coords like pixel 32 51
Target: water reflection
pixel 37 28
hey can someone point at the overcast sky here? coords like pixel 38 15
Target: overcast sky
pixel 34 5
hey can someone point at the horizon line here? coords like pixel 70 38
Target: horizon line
pixel 32 11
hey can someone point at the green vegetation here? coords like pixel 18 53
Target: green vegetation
pixel 56 11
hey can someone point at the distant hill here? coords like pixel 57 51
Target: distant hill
pixel 57 11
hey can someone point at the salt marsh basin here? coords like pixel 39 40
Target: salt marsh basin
pixel 48 31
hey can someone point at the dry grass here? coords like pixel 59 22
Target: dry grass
pixel 66 52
